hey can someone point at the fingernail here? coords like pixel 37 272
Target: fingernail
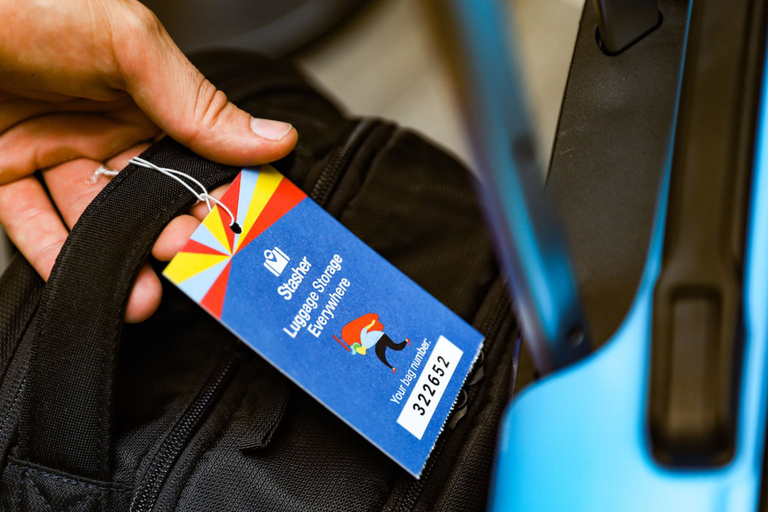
pixel 269 129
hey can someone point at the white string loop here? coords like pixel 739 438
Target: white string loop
pixel 201 196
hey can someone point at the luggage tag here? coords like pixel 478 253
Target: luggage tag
pixel 330 313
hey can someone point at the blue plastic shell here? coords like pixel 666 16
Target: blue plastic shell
pixel 578 440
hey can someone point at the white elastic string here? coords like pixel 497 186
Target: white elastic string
pixel 178 175
pixel 204 196
pixel 103 171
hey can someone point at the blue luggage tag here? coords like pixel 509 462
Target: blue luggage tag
pixel 331 314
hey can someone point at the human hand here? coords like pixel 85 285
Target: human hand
pixel 90 82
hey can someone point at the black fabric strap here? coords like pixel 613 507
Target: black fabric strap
pixel 67 424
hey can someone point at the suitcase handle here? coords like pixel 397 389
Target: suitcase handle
pixel 67 424
pixel 698 318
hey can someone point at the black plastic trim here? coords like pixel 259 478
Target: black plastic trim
pixel 697 313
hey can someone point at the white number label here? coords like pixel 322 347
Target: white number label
pixel 429 388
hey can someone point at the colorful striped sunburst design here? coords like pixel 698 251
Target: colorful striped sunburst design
pixel 258 198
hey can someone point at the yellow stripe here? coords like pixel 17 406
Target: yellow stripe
pixel 215 225
pixel 266 184
pixel 187 264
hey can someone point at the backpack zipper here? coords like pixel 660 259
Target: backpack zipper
pixel 329 178
pixel 489 327
pixel 147 492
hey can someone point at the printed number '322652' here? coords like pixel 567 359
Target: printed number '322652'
pixel 429 388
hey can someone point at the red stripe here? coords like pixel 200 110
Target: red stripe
pixel 198 248
pixel 214 299
pixel 340 343
pixel 286 196
pixel 231 198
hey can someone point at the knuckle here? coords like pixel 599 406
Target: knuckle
pixel 143 21
pixel 209 106
pixel 43 257
pixel 48 250
pixel 20 217
pixel 134 33
pixel 213 104
pixel 9 166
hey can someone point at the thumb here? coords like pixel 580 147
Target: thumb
pixel 185 105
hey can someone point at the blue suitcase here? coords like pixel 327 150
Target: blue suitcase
pixel 660 174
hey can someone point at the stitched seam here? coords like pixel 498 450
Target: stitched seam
pixel 20 493
pixel 47 503
pixel 66 480
pixel 11 407
pixel 20 323
pixel 37 490
pixel 81 500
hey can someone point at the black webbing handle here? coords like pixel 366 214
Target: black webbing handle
pixel 67 423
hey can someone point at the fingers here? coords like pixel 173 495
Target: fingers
pixel 120 161
pixel 50 140
pixel 145 296
pixel 186 106
pixel 200 210
pixel 72 187
pixel 15 109
pixel 174 237
pixel 31 222
pixel 35 227
pixel 179 230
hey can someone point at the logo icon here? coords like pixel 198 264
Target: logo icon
pixel 275 260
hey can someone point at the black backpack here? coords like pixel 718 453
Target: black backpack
pixel 175 413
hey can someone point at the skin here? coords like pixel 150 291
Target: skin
pixel 85 83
